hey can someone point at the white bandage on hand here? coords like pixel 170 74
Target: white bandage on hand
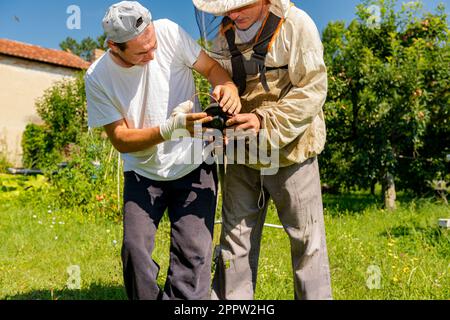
pixel 177 120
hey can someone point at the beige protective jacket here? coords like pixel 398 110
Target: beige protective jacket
pixel 293 107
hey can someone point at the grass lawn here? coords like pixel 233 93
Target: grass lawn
pixel 412 254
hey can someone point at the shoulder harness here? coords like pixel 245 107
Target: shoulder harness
pixel 263 42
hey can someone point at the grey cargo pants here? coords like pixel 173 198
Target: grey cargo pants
pixel 191 204
pixel 296 192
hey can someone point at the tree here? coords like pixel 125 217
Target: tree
pixel 85 48
pixel 388 98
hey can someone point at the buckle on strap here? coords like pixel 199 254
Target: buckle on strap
pixel 235 52
pixel 259 59
pixel 251 67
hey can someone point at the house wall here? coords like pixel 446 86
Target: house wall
pixel 21 83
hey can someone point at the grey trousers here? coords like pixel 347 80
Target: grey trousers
pixel 191 204
pixel 296 192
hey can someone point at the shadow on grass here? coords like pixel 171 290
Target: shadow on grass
pixel 357 202
pixel 435 237
pixel 94 292
pixel 432 235
pixel 349 204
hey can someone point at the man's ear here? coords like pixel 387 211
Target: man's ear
pixel 112 46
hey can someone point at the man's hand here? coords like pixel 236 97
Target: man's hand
pixel 181 118
pixel 243 126
pixel 225 91
pixel 228 97
pixel 245 122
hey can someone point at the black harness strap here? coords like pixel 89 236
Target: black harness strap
pixel 260 51
pixel 239 74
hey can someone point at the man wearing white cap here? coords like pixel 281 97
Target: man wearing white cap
pixel 274 53
pixel 140 92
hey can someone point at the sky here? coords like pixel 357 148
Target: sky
pixel 44 22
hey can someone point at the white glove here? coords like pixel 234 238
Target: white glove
pixel 177 120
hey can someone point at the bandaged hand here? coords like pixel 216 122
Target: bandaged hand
pixel 182 118
pixel 177 120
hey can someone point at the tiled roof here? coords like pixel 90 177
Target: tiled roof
pixel 36 53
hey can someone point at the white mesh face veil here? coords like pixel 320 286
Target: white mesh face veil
pixel 210 14
pixel 210 28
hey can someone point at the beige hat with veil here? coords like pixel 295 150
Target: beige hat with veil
pixel 221 7
pixel 210 16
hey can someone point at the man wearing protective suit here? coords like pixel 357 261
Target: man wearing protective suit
pixel 274 52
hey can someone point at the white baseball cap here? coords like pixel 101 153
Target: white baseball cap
pixel 125 21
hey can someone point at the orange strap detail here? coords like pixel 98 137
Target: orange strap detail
pixel 262 27
pixel 275 35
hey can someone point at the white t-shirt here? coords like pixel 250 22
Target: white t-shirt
pixel 145 97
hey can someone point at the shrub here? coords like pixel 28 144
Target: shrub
pixel 63 110
pixel 89 180
pixel 4 164
pixel 36 146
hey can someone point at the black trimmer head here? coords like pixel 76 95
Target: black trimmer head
pixel 219 117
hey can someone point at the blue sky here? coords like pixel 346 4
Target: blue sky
pixel 44 22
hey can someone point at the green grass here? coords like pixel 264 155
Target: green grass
pixel 412 253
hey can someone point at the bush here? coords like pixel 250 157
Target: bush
pixel 89 180
pixel 36 146
pixel 63 110
pixel 4 164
